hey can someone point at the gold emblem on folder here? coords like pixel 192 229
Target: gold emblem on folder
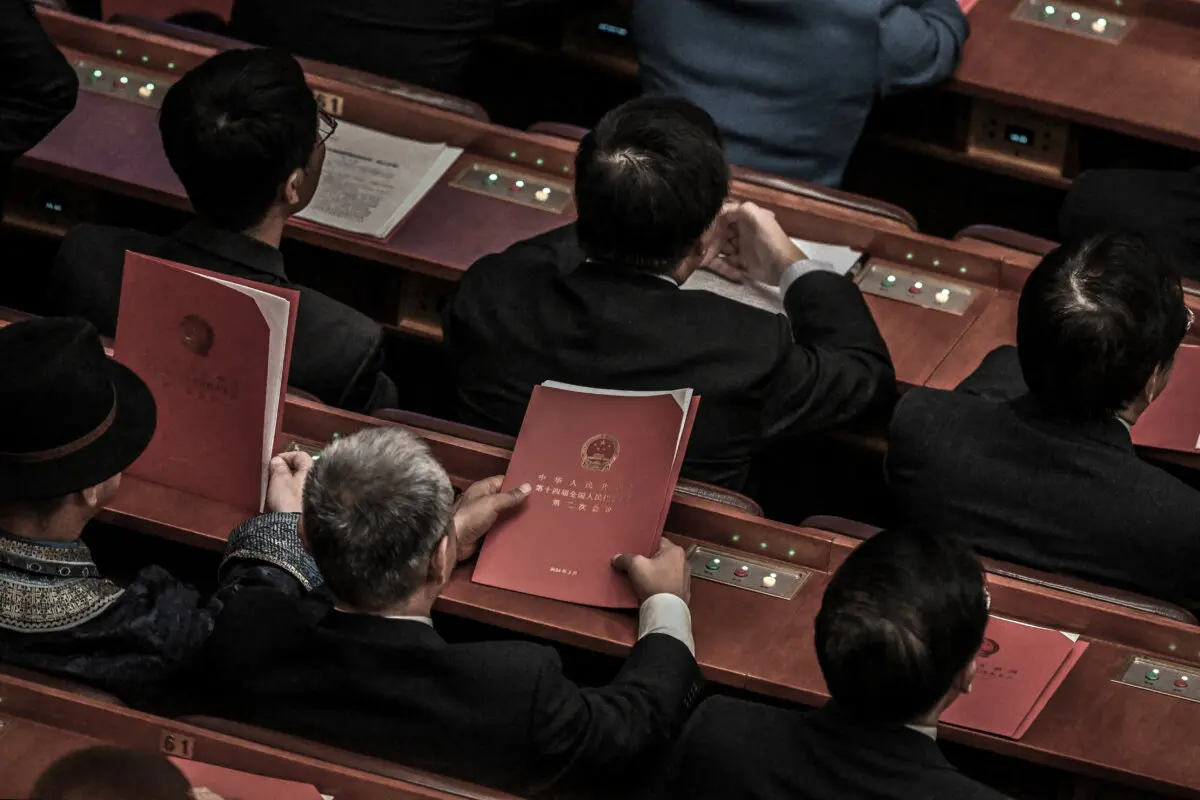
pixel 600 452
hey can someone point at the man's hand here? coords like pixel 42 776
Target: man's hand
pixel 666 572
pixel 285 483
pixel 755 244
pixel 479 508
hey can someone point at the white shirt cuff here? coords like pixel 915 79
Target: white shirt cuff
pixel 666 613
pixel 798 270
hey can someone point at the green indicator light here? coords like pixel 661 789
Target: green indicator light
pixel 1049 11
pixel 149 87
pixel 909 256
pixel 963 270
pixel 97 74
pixel 513 155
pixel 120 52
pixel 170 65
pixel 124 79
pixel 937 263
pixel 1152 675
pixel 714 565
pixel 493 178
pixel 145 59
pixel 763 545
pixel 791 553
pixel 520 184
pixel 891 279
pixel 736 537
pixel 541 161
pixel 566 169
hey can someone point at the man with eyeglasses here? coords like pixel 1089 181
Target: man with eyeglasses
pixel 243 133
pixel 1031 459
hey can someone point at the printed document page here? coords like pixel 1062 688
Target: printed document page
pixel 372 180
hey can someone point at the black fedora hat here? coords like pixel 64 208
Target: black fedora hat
pixel 70 417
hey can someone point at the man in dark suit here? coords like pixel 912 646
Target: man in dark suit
pixel 599 303
pixel 243 134
pixel 416 41
pixel 897 635
pixel 359 665
pixel 1160 206
pixel 1031 460
pixel 37 85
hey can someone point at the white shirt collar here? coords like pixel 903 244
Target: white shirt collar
pixel 401 617
pixel 925 730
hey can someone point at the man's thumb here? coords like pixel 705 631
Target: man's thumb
pixel 511 498
pixel 622 562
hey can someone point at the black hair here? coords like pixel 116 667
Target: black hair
pixel 234 129
pixel 112 773
pixel 1096 318
pixel 900 619
pixel 649 181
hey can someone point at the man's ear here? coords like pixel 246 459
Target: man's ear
pixel 90 497
pixel 965 677
pixel 443 561
pixel 292 188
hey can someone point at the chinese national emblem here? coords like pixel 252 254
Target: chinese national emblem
pixel 196 334
pixel 990 647
pixel 600 451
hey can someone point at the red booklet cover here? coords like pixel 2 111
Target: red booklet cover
pixel 603 467
pixel 1172 422
pixel 232 784
pixel 1019 669
pixel 215 352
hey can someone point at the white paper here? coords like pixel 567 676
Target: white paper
pixel 372 180
pixel 1074 637
pixel 768 298
pixel 275 310
pixel 681 396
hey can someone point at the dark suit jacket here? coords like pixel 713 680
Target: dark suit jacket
pixel 337 353
pixel 416 41
pixel 983 463
pixel 1161 207
pixel 538 312
pixel 37 85
pixel 496 713
pixel 734 749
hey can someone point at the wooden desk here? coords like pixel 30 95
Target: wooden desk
pixel 113 145
pixel 763 644
pixel 40 724
pixel 1123 87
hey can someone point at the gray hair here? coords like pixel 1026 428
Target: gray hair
pixel 376 504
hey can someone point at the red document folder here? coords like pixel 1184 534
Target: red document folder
pixel 1019 669
pixel 1172 422
pixel 215 352
pixel 232 784
pixel 603 468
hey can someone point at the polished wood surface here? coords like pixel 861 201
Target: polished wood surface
pixel 114 145
pixel 1146 86
pixel 40 724
pixel 764 645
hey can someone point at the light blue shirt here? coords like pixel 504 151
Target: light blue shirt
pixel 790 82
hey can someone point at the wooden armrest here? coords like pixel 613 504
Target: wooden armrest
pixel 1006 237
pixel 345 758
pixel 824 194
pixel 1050 580
pixel 62 684
pixel 717 494
pixel 562 130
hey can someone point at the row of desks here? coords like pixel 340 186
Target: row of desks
pixel 113 145
pixel 747 641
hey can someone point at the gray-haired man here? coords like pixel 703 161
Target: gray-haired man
pixel 358 664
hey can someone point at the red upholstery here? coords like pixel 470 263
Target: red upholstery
pixel 1049 580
